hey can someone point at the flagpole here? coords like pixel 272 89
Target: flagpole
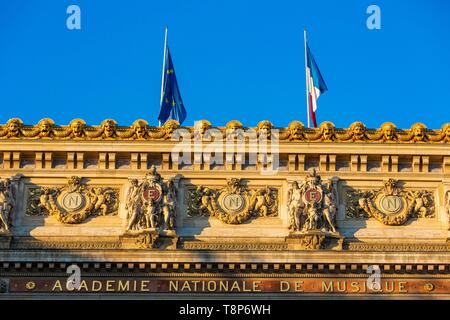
pixel 163 68
pixel 306 77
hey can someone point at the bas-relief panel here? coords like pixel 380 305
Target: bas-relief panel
pixel 230 208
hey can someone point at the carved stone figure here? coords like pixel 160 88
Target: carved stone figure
pixel 391 204
pixel 295 206
pixel 447 203
pixel 418 131
pixel 165 132
pixel 234 130
pixel 329 207
pixel 200 129
pixel 140 129
pixel 312 205
pixel 446 133
pixel 7 202
pixel 389 132
pixel 108 128
pixel 442 136
pixel 423 203
pixel 233 204
pixel 47 200
pixel 74 202
pixel 150 214
pixel 325 133
pixel 133 204
pixel 45 128
pixel 151 203
pixel 263 201
pixel 294 132
pixel 327 129
pixel 77 127
pixel 356 133
pixel 264 129
pixel 169 203
pixel 12 129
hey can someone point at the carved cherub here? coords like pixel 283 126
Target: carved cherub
pixel 99 200
pixel 47 200
pixel 150 214
pixel 262 202
pixel 207 197
pixel 313 217
pixel 423 203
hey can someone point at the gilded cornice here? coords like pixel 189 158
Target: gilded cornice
pixel 109 130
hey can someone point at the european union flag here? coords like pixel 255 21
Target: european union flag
pixel 172 107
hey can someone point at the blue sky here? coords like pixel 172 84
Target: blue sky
pixel 234 59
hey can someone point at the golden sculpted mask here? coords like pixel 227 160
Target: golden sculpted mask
pixel 327 130
pixel 140 128
pixel 77 127
pixel 201 126
pixel 358 131
pixel 264 128
pixel 109 127
pixel 170 126
pixel 45 127
pixel 446 132
pixel 388 130
pixel 13 126
pixel 418 131
pixel 296 130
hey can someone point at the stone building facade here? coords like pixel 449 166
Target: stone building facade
pixel 204 211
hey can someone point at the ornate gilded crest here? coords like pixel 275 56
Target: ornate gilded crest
pixel 74 202
pixel 151 203
pixel 312 204
pixel 391 205
pixel 233 204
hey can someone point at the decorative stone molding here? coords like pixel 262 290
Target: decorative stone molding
pixel 391 205
pixel 72 203
pixel 77 129
pixel 232 246
pixel 233 204
pixel 400 247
